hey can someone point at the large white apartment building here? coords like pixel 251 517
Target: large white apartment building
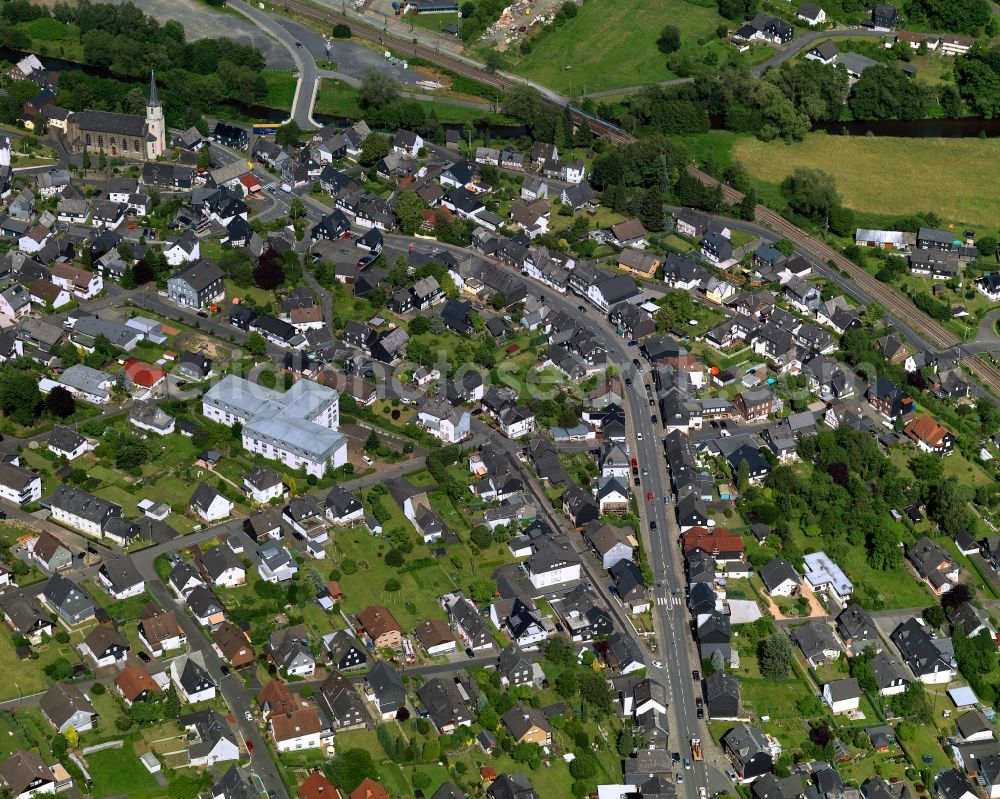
pixel 298 427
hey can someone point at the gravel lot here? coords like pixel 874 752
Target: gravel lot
pixel 201 22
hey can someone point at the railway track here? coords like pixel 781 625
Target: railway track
pixel 895 303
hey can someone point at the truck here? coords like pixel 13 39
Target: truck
pixel 696 748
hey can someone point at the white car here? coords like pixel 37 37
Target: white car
pixel 249 715
pixel 639 436
pixel 367 460
pixel 658 664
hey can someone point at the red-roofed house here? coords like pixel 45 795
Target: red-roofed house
pixel 369 789
pixel 250 184
pixel 926 433
pixel 144 374
pixel 317 786
pixel 716 541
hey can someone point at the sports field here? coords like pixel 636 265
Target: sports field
pixel 891 176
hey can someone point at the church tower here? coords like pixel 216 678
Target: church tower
pixel 156 140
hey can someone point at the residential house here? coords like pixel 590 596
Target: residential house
pixel 381 627
pixel 65 598
pixel 929 436
pixel 209 504
pixel 842 696
pixel 159 630
pixel 121 578
pixel 385 690
pixel 444 704
pixel 65 706
pixel 191 679
pixel 934 565
pixel 722 696
pixel 749 751
pixel 526 724
pixel 930 658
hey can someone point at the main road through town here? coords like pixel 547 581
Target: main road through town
pixel 676 648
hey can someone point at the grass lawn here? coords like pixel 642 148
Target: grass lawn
pixel 589 53
pixel 17 678
pixel 118 771
pixel 414 603
pixel 962 193
pixel 54 38
pixel 280 89
pixel 430 22
pixel 337 99
pixel 25 730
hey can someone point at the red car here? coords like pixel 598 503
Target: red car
pixel 649 496
pixel 250 746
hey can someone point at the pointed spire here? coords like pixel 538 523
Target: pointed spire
pixel 154 99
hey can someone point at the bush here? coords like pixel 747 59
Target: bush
pixel 341 31
pixel 98 688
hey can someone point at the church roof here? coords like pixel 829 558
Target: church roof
pixel 110 122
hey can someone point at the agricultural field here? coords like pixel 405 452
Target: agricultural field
pixel 962 191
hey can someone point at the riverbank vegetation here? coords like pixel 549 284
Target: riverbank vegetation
pixel 193 78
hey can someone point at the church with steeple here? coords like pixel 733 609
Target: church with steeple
pixel 139 138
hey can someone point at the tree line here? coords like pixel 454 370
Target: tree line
pixel 192 77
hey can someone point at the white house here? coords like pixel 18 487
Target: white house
pixel 811 14
pixel 552 565
pixel 447 423
pixel 262 484
pixel 191 679
pixel 210 504
pixel 779 578
pixel 183 250
pixel 19 485
pixel 842 696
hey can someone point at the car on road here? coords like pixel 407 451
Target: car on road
pixel 639 436
pixel 635 480
pixel 723 425
pixel 653 419
pixel 732 775
pixel 695 675
pixel 680 778
pixel 298 44
pixel 144 657
pixel 633 343
pixel 652 524
pixel 580 308
pixel 368 461
pixel 225 669
pixel 271 794
pixel 649 496
pixel 250 747
pixel 645 471
pixel 658 664
pixel 715 424
pixel 675 757
pixel 725 433
pixel 203 315
pixel 470 652
pixel 628 381
pixel 635 363
pixel 687 763
pixel 249 717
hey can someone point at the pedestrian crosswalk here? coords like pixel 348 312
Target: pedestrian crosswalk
pixel 673 601
pixel 269 186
